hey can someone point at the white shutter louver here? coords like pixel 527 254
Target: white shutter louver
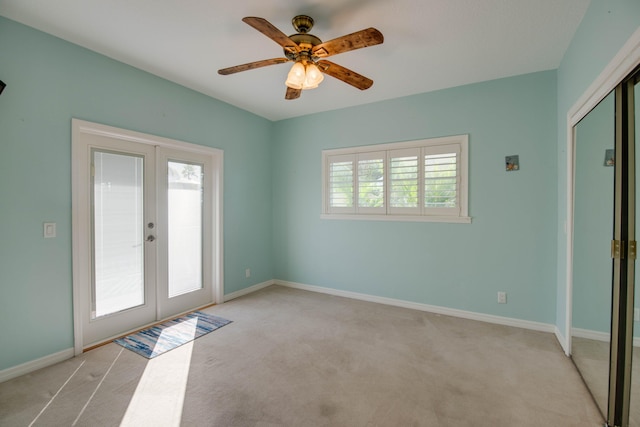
pixel 440 180
pixel 341 183
pixel 371 182
pixel 404 178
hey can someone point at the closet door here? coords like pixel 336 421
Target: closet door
pixel 594 170
pixel 624 255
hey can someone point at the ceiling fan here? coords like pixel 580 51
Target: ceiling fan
pixel 308 52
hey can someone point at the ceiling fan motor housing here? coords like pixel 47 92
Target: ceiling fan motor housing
pixel 306 43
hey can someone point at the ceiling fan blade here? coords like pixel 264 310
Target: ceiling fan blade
pixel 345 74
pixel 292 93
pixel 269 30
pixel 252 65
pixel 353 41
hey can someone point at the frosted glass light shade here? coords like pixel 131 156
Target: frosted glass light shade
pixel 313 77
pixel 296 76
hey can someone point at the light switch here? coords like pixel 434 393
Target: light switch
pixel 49 230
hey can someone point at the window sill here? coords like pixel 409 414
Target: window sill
pixel 400 218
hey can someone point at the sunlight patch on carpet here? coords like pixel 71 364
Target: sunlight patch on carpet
pixel 159 396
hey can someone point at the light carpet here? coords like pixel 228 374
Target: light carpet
pixel 299 358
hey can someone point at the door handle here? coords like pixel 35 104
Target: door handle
pixel 151 238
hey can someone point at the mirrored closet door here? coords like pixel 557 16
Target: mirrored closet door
pixel 604 253
pixel 594 175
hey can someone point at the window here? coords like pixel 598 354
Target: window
pixel 423 180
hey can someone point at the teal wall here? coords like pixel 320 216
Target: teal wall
pixel 511 243
pixel 607 25
pixel 49 81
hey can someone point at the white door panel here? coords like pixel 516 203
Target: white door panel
pixel 184 243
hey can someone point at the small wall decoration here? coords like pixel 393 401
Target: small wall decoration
pixel 610 157
pixel 512 163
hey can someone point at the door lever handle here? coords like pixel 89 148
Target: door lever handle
pixel 151 238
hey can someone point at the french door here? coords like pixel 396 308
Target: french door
pixel 143 233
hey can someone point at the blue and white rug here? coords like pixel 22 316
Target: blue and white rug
pixel 173 333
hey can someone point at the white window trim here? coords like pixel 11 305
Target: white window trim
pixel 462 141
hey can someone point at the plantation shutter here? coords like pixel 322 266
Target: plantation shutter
pixel 404 181
pixel 441 180
pixel 424 180
pixel 341 183
pixel 371 183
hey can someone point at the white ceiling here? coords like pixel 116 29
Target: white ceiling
pixel 428 44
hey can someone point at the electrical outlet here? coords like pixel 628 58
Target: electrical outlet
pixel 636 314
pixel 502 297
pixel 247 273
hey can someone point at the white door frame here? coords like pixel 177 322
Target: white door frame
pixel 80 208
pixel 625 61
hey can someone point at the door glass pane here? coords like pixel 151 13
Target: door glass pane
pixel 185 205
pixel 118 249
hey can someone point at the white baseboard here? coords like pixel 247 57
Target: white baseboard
pixel 245 291
pixel 34 365
pixel 589 334
pixel 489 318
pixel 597 336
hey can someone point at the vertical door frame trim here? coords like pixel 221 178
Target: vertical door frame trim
pixel 624 62
pixel 79 127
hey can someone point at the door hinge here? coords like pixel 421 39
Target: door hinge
pixel 632 252
pixel 617 249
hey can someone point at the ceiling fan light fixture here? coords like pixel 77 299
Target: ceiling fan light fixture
pixel 296 76
pixel 303 76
